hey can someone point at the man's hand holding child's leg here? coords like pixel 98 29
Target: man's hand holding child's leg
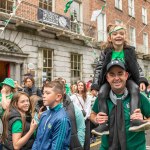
pixel 101 119
pixel 137 119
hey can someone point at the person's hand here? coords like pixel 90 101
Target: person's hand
pixel 142 87
pixel 4 90
pixel 33 125
pixel 137 115
pixel 101 118
pixel 40 112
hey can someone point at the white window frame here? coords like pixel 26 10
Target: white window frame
pixel 76 67
pixel 41 74
pixel 118 4
pixel 101 27
pixel 132 36
pixel 131 8
pixel 144 15
pixel 145 42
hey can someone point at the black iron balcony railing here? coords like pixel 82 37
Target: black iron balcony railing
pixel 33 12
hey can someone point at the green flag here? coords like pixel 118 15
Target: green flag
pixel 68 6
pixel 103 7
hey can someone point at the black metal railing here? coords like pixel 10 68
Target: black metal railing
pixel 30 12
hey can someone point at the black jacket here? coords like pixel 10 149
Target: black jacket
pixel 8 144
pixel 69 107
pixel 33 91
pixel 132 67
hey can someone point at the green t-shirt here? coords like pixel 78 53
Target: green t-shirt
pixel 118 55
pixel 9 97
pixel 135 140
pixel 17 127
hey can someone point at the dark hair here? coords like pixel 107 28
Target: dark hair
pixel 84 92
pixel 31 78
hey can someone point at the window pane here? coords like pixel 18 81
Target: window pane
pixel 46 4
pixel 76 71
pixel 6 6
pixel 44 62
pixel 47 64
pixel 75 6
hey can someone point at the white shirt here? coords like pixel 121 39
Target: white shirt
pixel 85 104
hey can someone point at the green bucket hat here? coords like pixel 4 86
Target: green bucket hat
pixel 9 82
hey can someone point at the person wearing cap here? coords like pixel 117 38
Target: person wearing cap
pixel 6 94
pixel 118 102
pixel 5 98
pixel 117 47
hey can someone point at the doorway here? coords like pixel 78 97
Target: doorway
pixel 5 70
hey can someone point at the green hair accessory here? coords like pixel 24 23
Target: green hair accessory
pixel 116 29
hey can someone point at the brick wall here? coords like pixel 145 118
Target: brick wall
pixel 30 12
pixel 113 14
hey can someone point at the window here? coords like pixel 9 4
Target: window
pixel 144 15
pixel 101 24
pixel 6 6
pixel 145 42
pixel 45 4
pixel 131 8
pixel 47 64
pixel 75 10
pixel 146 71
pixel 76 67
pixel 118 4
pixel 132 36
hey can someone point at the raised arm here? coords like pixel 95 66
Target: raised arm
pixel 19 141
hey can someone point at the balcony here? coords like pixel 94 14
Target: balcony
pixel 31 16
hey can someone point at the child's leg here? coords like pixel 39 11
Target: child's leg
pixel 133 89
pixel 102 96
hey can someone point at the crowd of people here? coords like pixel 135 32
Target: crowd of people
pixel 22 106
pixel 114 105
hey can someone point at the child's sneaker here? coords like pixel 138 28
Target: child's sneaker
pixel 139 125
pixel 102 129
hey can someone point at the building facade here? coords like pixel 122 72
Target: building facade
pixel 41 39
pixel 135 14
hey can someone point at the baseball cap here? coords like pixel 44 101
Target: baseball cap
pixel 115 63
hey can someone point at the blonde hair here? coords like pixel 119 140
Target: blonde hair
pixel 110 28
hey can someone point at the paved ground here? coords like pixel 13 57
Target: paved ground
pixel 96 145
pixel 148 140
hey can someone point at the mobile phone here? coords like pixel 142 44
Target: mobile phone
pixel 38 105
